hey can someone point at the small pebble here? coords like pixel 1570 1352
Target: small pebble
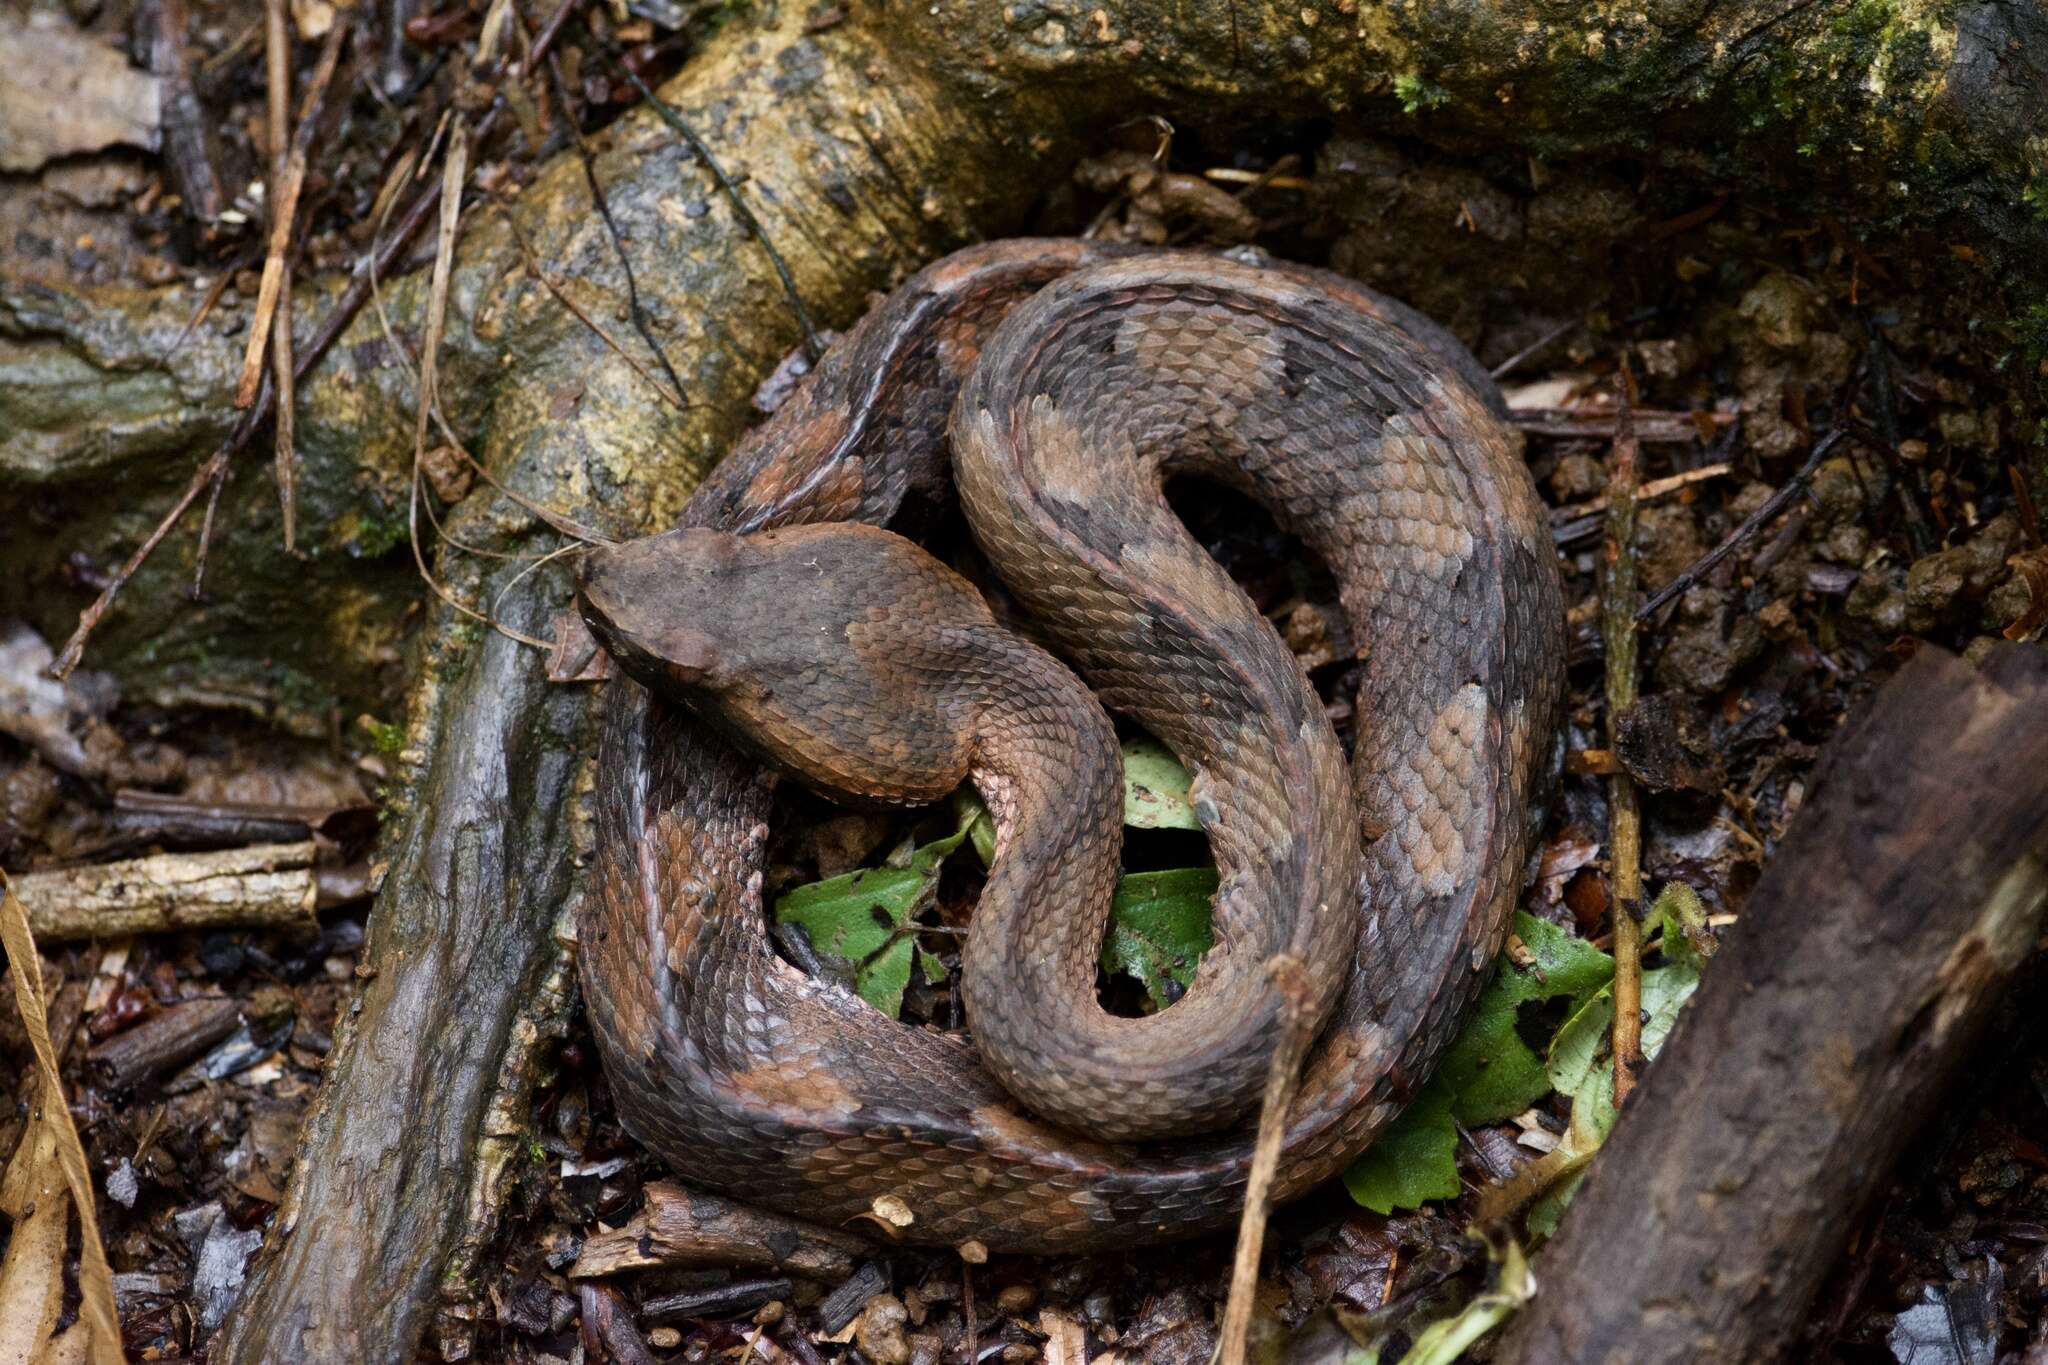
pixel 122 1186
pixel 1018 1298
pixel 664 1338
pixel 879 1331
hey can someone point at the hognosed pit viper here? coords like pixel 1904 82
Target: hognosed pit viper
pixel 1056 385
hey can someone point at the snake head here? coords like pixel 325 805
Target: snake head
pixel 648 600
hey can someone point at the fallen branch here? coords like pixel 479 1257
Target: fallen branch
pixel 1908 893
pixel 682 1227
pixel 1653 426
pixel 269 885
pixel 166 1040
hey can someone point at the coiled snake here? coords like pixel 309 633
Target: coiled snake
pixel 1077 378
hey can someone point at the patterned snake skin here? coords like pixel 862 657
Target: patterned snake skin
pixel 1077 377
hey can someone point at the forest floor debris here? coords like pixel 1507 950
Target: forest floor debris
pixel 1752 337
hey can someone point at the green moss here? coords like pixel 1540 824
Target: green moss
pixel 1417 94
pixel 368 536
pixel 385 738
pixel 2030 331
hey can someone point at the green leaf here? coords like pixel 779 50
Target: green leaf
pixel 1487 1073
pixel 1155 788
pixel 1159 928
pixel 864 918
pixel 1581 1062
pixel 1414 1161
pixel 1491 1072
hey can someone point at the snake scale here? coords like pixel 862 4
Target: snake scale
pixel 1057 384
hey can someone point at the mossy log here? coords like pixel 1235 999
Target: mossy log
pixel 868 145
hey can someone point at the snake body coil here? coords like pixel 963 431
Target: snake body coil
pixel 1077 379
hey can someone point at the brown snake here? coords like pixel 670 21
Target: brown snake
pixel 1084 377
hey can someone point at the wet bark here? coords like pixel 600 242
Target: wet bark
pixel 868 148
pixel 1908 894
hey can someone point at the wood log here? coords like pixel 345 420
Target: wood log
pixel 268 885
pixel 1908 893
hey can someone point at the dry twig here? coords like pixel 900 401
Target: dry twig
pixel 1282 1078
pixel 1625 828
pixel 634 309
pixel 453 173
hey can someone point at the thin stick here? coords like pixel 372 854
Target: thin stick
pixel 813 348
pixel 1654 489
pixel 634 309
pixel 1751 524
pixel 1282 1078
pixel 554 286
pixel 289 177
pixel 1556 333
pixel 220 482
pixel 285 434
pixel 74 648
pixel 277 86
pixel 560 521
pixel 1625 820
pixel 205 309
pixel 452 176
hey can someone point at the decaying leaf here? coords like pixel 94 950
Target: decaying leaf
pixel 1414 1161
pixel 1492 1074
pixel 46 1179
pixel 1489 1073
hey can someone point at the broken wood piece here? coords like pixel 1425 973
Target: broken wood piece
pixel 680 1227
pixel 263 885
pixel 165 1040
pixel 719 1301
pixel 158 818
pixel 1907 894
pixel 1654 426
pixel 608 1330
pixel 844 1303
